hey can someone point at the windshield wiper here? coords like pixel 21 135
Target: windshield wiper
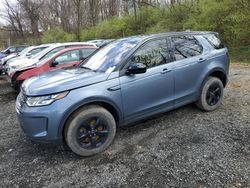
pixel 86 68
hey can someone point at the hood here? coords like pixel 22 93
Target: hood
pixel 9 57
pixel 61 80
pixel 15 59
pixel 24 62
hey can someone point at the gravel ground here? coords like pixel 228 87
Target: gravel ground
pixel 182 148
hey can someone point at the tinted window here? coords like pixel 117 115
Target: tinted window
pixel 68 57
pixel 185 47
pixel 153 53
pixel 214 41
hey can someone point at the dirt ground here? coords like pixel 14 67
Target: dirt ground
pixel 182 148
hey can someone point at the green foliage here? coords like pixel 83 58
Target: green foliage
pixel 231 18
pixel 121 27
pixel 57 35
pixel 240 54
pixel 113 28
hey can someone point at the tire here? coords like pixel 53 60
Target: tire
pixel 211 94
pixel 90 130
pixel 16 85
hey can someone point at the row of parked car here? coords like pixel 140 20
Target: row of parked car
pixel 22 62
pixel 122 82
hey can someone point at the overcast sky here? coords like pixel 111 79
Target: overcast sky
pixel 2 20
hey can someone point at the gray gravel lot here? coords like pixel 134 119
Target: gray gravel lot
pixel 182 148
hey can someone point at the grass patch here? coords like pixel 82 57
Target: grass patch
pixel 240 54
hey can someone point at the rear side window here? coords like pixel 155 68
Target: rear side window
pixel 214 40
pixel 185 47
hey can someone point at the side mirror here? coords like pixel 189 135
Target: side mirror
pixel 136 68
pixel 54 64
pixel 28 54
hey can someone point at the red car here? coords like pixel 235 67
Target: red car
pixel 65 58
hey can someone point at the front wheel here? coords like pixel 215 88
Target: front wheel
pixel 211 94
pixel 90 130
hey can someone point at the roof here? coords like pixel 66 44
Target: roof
pixel 183 33
pixel 71 49
pixel 141 37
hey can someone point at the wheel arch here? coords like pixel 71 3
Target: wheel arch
pixel 221 75
pixel 108 105
pixel 216 72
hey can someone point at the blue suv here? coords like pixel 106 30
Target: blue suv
pixel 128 80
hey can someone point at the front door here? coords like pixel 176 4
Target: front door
pixel 151 92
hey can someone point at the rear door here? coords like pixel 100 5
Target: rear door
pixel 153 91
pixel 189 65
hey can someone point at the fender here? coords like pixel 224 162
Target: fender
pixel 216 69
pixel 83 103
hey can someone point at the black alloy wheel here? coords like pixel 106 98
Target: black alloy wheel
pixel 213 94
pixel 92 133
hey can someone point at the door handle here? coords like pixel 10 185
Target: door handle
pixel 114 88
pixel 165 70
pixel 201 60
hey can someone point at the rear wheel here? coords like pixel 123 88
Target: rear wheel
pixel 211 94
pixel 90 130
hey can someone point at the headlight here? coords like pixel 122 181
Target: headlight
pixel 45 100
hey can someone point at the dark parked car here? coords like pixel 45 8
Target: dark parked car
pixel 128 80
pixel 14 49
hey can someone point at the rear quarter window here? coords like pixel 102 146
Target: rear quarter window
pixel 186 47
pixel 214 40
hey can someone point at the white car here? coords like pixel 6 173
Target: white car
pixel 26 53
pixel 20 64
pixel 30 51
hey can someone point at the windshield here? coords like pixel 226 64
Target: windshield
pixel 25 50
pixel 41 53
pixel 107 58
pixel 42 61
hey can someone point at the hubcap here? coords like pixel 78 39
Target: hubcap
pixel 92 133
pixel 213 94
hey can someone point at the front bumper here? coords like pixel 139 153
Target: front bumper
pixel 42 124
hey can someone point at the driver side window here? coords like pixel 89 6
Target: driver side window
pixel 68 57
pixel 153 53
